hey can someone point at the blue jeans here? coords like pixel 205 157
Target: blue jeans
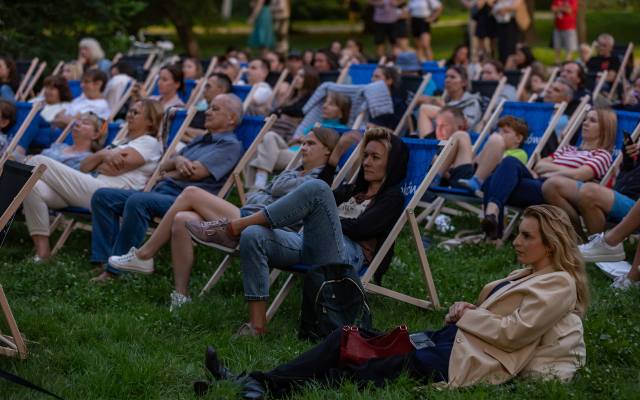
pixel 321 241
pixel 137 210
pixel 512 184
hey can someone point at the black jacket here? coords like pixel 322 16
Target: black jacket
pixel 385 208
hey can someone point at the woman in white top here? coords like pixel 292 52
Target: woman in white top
pixel 127 164
pixel 170 83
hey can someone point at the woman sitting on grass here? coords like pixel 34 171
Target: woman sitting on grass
pixel 347 225
pixel 512 183
pixel 195 204
pixel 126 164
pixel 528 324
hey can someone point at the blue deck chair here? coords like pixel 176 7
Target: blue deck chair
pixel 250 132
pixel 423 153
pixel 27 117
pixel 437 75
pixel 361 74
pixel 179 122
pixel 541 119
pixel 430 64
pixel 189 85
pixel 74 86
pixel 242 91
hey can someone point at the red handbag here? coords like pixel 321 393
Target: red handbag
pixel 356 349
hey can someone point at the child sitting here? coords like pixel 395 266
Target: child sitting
pixel 463 169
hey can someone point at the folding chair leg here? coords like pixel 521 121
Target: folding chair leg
pixel 15 345
pixel 217 274
pixel 282 294
pixel 424 262
pixel 439 203
pixel 71 225
pixel 273 276
pixel 511 226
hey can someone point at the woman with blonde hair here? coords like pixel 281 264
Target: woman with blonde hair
pixel 562 189
pixel 127 164
pixel 91 55
pixel 564 171
pixel 528 324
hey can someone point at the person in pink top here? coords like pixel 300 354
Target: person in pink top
pixel 565 36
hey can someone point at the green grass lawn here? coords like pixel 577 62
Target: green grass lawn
pixel 119 341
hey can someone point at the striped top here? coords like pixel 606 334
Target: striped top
pixel 598 160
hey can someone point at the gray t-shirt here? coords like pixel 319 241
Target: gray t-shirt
pixel 218 152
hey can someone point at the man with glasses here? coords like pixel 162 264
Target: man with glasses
pixel 120 218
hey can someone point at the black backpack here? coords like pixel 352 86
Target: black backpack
pixel 332 296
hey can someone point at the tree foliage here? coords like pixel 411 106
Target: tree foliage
pixel 52 28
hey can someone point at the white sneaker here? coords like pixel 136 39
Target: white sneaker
pixel 178 300
pixel 596 250
pixel 130 262
pixel 623 283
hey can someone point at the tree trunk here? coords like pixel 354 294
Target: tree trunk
pixel 184 28
pixel 582 21
pixel 530 34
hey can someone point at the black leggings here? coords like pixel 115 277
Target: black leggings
pixel 322 364
pixel 508 35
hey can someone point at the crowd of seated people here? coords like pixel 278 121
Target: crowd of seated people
pixel 350 223
pixel 196 205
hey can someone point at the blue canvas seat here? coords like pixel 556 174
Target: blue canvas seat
pixel 425 158
pixel 361 74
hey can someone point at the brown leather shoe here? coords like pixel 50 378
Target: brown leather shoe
pixel 213 234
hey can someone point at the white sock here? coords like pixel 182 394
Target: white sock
pixel 261 179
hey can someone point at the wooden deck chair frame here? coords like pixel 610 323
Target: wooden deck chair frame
pixel 412 105
pixel 433 209
pixel 278 85
pixel 526 74
pixel 32 82
pixel 602 79
pixel 198 91
pixel 71 224
pixel 21 131
pixel 407 216
pixel 616 163
pixel 235 178
pixel 621 71
pixel 437 206
pixel 495 98
pixel 13 345
pixel 27 76
pixel 224 264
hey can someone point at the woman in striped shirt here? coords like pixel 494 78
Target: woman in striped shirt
pixel 564 171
